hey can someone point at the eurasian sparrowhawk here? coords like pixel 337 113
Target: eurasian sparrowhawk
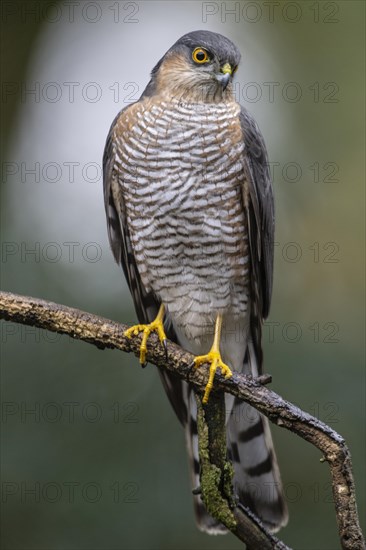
pixel 190 213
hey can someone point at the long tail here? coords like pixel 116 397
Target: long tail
pixel 257 480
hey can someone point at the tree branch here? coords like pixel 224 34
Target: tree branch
pixel 216 478
pixel 107 334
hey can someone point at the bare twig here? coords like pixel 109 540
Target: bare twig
pixel 105 333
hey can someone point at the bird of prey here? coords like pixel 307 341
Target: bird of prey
pixel 189 205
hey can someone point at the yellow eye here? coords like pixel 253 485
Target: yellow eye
pixel 200 55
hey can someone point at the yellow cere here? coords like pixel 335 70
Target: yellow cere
pixel 227 68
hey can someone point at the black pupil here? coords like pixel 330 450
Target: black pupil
pixel 200 56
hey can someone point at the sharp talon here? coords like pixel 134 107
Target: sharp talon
pixel 146 330
pixel 164 342
pixel 214 359
pixel 226 372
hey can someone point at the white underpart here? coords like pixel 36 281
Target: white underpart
pixel 182 177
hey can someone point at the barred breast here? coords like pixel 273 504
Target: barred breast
pixel 180 170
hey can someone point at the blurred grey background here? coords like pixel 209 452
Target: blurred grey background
pixel 92 455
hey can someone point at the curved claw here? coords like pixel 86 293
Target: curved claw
pixel 213 358
pixel 164 342
pixel 155 326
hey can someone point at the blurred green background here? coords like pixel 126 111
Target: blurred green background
pixel 92 455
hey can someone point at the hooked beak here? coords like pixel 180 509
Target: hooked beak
pixel 225 75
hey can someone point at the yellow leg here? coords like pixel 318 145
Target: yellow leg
pixel 214 358
pixel 156 326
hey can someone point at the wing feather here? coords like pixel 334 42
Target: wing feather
pixel 260 215
pixel 260 210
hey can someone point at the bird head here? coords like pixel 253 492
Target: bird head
pixel 199 67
